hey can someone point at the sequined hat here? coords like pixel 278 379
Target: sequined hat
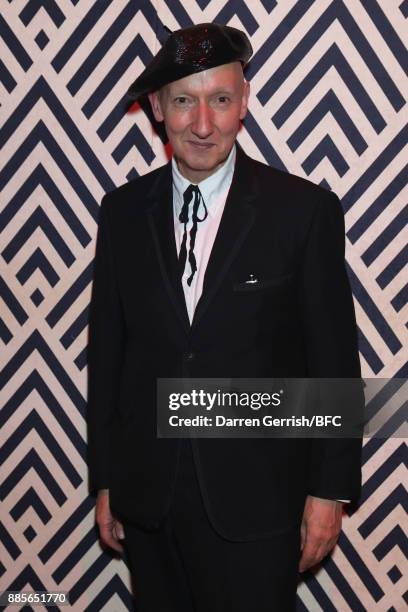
pixel 192 50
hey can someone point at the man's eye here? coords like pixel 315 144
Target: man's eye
pixel 181 100
pixel 223 99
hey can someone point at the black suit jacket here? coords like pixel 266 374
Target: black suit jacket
pixel 297 321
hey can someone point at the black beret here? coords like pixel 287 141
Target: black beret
pixel 191 50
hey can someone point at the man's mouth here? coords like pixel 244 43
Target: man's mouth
pixel 201 145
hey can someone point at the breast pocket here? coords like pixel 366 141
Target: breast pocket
pixel 255 284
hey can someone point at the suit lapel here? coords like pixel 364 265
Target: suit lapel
pixel 161 222
pixel 237 219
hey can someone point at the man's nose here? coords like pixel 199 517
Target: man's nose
pixel 202 124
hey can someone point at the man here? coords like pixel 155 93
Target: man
pixel 215 265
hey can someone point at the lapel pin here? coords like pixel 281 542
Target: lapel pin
pixel 251 280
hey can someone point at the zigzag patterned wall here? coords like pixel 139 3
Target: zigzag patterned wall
pixel 329 102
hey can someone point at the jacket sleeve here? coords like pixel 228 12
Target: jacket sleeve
pixel 105 351
pixel 331 343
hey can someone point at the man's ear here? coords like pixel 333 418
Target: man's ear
pixel 245 97
pixel 156 106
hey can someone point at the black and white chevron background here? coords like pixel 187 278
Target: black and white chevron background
pixel 329 102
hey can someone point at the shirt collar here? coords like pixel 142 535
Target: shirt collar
pixel 213 188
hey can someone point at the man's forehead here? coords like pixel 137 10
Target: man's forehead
pixel 228 75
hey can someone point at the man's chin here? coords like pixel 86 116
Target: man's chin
pixel 197 165
pixel 202 162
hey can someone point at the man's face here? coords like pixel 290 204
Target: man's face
pixel 202 114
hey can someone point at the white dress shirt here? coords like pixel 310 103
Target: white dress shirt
pixel 214 190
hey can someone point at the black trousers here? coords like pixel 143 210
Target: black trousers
pixel 185 566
